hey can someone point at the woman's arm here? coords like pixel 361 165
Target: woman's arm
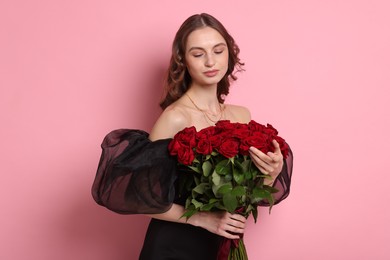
pixel 221 223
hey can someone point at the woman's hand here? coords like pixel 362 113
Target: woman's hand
pixel 269 164
pixel 221 223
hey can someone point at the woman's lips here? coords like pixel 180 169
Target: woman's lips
pixel 211 73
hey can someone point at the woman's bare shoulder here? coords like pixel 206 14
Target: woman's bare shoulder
pixel 173 119
pixel 237 113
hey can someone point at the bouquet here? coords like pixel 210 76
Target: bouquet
pixel 221 175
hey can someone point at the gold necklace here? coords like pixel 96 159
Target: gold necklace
pixel 205 112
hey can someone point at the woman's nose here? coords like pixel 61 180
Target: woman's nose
pixel 210 61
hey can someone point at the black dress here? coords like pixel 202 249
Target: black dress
pixel 138 176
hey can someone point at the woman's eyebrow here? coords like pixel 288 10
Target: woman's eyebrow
pixel 200 48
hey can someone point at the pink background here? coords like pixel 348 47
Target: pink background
pixel 71 71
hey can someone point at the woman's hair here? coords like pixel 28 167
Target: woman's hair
pixel 178 80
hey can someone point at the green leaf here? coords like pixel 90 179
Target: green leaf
pixel 188 203
pixel 247 175
pixel 245 165
pixel 214 153
pixel 238 166
pixel 270 207
pixel 270 200
pixel 219 205
pixel 208 207
pixel 228 177
pixel 213 200
pixel 200 189
pixel 255 214
pixel 216 178
pixel 208 193
pixel 270 189
pixel 253 170
pixel 238 191
pixel 259 194
pixel 195 169
pixel 218 181
pixel 189 213
pixel 248 209
pixel 196 203
pixel 226 188
pixel 222 168
pixel 238 175
pixel 263 194
pixel 230 202
pixel 196 180
pixel 207 168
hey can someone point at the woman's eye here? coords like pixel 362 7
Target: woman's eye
pixel 197 55
pixel 218 51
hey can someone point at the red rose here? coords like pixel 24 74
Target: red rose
pixel 219 138
pixel 203 140
pixel 185 137
pixel 253 126
pixel 241 131
pixel 229 148
pixel 185 153
pixel 186 156
pixel 182 145
pixel 243 149
pixel 215 141
pixel 257 140
pixel 206 131
pixel 204 146
pixel 224 125
pixel 283 146
pixel 270 131
pixel 174 147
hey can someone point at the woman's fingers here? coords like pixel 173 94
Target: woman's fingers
pixel 221 223
pixel 261 160
pixel 229 235
pixel 277 147
pixel 276 156
pixel 260 155
pixel 232 225
pixel 267 163
pixel 239 218
pixel 237 221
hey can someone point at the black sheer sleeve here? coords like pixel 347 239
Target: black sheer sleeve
pixel 135 175
pixel 283 181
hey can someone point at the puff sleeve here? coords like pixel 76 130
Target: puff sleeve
pixel 134 175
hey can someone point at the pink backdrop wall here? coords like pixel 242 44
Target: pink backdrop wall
pixel 73 70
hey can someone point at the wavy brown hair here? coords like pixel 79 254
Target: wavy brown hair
pixel 178 80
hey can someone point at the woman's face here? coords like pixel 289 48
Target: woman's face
pixel 206 56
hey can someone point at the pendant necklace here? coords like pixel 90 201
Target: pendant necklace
pixel 205 114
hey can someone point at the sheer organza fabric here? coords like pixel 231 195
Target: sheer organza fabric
pixel 135 175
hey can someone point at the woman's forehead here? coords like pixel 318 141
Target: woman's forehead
pixel 205 37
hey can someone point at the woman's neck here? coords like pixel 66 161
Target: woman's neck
pixel 205 97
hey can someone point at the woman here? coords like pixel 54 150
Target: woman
pixel 136 173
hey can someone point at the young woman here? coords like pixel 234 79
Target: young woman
pixel 137 175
